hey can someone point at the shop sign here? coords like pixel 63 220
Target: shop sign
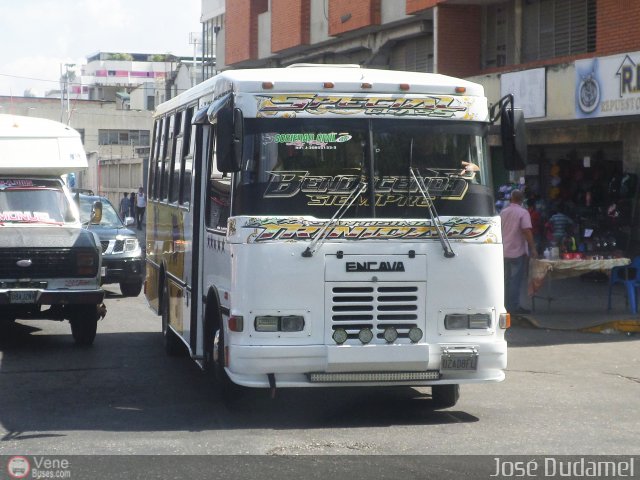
pixel 529 90
pixel 608 86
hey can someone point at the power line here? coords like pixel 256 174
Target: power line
pixel 30 78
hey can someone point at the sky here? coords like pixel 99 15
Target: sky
pixel 38 36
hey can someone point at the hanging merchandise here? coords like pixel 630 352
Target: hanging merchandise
pixel 503 197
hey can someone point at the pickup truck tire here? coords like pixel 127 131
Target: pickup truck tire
pixel 445 396
pixel 130 289
pixel 84 324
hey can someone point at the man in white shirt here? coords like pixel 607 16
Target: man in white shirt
pixel 141 205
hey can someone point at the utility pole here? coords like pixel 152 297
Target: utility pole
pixel 67 83
pixel 194 39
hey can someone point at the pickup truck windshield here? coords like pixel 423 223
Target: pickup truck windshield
pixel 27 201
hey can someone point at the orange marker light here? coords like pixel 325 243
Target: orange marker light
pixel 461 89
pixel 405 86
pixel 366 85
pixel 328 85
pixel 236 323
pixel 267 85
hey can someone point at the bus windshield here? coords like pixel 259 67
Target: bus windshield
pixel 311 166
pixel 34 202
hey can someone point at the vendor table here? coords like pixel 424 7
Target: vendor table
pixel 541 270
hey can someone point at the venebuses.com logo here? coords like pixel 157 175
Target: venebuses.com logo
pixel 18 467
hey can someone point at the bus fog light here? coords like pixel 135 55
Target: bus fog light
pixel 266 323
pixel 340 336
pixel 456 321
pixel 365 335
pixel 480 320
pixel 292 323
pixel 390 334
pixel 415 334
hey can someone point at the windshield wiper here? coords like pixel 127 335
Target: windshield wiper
pixel 353 196
pixel 442 235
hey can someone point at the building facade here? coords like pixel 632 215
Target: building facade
pixel 572 66
pixel 115 140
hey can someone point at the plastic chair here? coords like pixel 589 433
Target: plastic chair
pixel 629 276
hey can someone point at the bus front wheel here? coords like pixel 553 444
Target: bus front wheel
pixel 445 396
pixel 229 391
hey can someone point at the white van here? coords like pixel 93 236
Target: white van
pixel 49 264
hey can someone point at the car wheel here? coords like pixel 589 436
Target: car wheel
pixel 130 289
pixel 445 396
pixel 172 344
pixel 84 324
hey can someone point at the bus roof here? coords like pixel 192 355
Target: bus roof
pixel 37 146
pixel 314 78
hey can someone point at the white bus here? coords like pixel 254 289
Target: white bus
pixel 325 225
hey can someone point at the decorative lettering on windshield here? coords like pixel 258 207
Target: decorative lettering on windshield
pixel 307 141
pixel 287 105
pixel 15 216
pixel 10 182
pixel 270 229
pixel 322 190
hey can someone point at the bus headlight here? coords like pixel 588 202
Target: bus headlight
pixel 292 323
pixel 267 323
pixel 274 323
pixel 462 321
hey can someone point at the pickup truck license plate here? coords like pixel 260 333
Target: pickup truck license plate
pixel 463 359
pixel 22 297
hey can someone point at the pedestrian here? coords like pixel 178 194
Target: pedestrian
pixel 125 205
pixel 560 225
pixel 518 246
pixel 141 205
pixel 537 227
pixel 132 206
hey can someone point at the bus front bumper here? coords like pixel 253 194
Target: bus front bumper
pixel 373 365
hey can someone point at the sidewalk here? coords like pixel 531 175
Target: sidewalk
pixel 579 304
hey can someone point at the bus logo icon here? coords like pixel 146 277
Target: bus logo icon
pixel 18 467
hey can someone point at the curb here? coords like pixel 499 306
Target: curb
pixel 616 326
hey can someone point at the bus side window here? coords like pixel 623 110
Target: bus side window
pixel 155 146
pixel 168 154
pixel 176 159
pixel 187 159
pixel 218 192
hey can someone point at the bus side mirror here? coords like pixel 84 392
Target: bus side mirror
pixel 96 212
pixel 238 136
pixel 514 138
pixel 228 139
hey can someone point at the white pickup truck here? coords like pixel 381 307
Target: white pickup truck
pixel 49 263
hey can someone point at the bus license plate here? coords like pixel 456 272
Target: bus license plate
pixel 22 297
pixel 459 361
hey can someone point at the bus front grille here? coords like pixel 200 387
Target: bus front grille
pixel 354 306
